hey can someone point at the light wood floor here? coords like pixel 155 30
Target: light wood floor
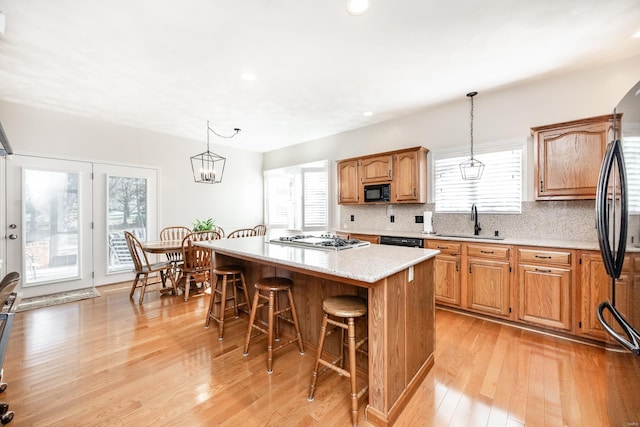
pixel 108 361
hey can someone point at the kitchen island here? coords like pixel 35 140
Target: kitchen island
pixel 398 284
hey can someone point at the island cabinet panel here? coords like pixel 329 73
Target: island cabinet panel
pixel 402 314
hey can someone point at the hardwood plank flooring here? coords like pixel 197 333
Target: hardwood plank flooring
pixel 111 362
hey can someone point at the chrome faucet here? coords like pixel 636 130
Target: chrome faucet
pixel 474 218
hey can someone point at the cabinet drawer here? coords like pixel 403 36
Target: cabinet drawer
pixel 445 247
pixel 544 256
pixel 486 251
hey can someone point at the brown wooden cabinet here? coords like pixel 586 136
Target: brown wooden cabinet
pixel 544 285
pixel 447 272
pixel 489 279
pixel 365 237
pixel 405 170
pixel 410 177
pixel 595 287
pixel 377 169
pixel 348 182
pixel 568 156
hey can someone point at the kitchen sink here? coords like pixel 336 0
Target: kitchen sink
pixel 470 236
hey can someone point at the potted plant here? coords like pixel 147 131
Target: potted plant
pixel 204 225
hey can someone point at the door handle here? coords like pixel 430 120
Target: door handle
pixel 13 236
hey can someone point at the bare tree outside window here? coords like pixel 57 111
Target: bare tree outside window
pixel 126 210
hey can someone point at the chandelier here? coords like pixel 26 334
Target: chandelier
pixel 208 167
pixel 471 169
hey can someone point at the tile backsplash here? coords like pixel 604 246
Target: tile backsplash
pixel 567 220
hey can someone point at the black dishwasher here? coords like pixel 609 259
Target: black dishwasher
pixel 411 242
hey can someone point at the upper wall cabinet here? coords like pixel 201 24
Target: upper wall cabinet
pixel 405 170
pixel 568 156
pixel 377 169
pixel 410 181
pixel 348 182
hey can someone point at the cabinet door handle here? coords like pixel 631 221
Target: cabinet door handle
pixel 414 192
pixel 469 269
pixel 389 173
pixel 540 270
pixel 443 247
pixel 486 252
pixel 541 186
pixel 542 257
pixel 457 267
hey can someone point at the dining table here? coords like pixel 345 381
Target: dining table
pixel 162 246
pixel 165 247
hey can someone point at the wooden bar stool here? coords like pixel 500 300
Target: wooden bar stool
pixel 346 308
pixel 272 285
pixel 226 275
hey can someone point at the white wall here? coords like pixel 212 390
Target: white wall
pixel 236 202
pixel 500 115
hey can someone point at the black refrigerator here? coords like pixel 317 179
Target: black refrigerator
pixel 615 231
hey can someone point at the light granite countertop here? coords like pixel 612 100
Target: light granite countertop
pixel 549 243
pixel 366 264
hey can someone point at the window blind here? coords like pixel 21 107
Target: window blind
pixel 631 152
pixel 297 197
pixel 498 191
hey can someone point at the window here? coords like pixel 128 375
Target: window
pixel 498 191
pixel 631 152
pixel 296 197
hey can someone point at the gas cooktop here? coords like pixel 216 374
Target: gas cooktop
pixel 324 241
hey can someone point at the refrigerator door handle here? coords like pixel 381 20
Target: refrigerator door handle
pixel 632 340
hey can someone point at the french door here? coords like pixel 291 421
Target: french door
pixel 65 219
pixel 48 220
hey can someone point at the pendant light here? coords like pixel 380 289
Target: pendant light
pixel 471 169
pixel 208 167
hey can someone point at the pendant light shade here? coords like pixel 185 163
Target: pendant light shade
pixel 208 167
pixel 471 169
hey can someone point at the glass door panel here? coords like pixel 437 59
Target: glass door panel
pixel 51 229
pixel 49 219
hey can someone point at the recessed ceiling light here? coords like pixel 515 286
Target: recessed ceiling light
pixel 368 113
pixel 357 7
pixel 248 76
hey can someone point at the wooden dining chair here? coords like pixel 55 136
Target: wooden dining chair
pixel 143 268
pixel 174 233
pixel 260 229
pixel 219 230
pixel 196 262
pixel 242 232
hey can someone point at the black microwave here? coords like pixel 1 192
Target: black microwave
pixel 377 193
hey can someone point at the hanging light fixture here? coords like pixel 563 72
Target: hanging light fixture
pixel 208 167
pixel 471 169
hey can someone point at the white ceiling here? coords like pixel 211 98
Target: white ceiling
pixel 170 66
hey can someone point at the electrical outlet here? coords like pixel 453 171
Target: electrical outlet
pixel 353 217
pixel 392 218
pixel 419 219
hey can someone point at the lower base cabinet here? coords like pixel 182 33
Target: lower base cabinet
pixel 545 296
pixel 488 287
pixel 447 280
pixel 595 287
